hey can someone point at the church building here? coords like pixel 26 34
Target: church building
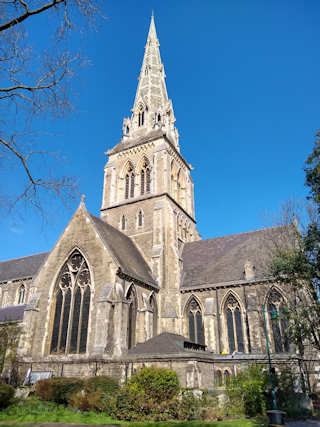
pixel 138 286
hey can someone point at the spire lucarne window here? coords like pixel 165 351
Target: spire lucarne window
pixel 71 307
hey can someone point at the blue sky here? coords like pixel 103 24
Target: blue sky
pixel 244 80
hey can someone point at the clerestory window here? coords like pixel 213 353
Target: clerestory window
pixel 71 307
pixel 21 294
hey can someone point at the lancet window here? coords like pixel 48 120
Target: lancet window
pixel 21 294
pixel 141 116
pixel 278 322
pixel 129 182
pixel 123 222
pixel 71 307
pixel 140 218
pixel 154 309
pixel 145 176
pixel 132 317
pixel 234 324
pixel 195 322
pixel 226 375
pixel 218 378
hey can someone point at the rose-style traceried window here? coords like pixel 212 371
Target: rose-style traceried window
pixel 72 305
pixel 234 324
pixel 278 321
pixel 195 322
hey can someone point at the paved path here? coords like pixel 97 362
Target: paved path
pixel 308 423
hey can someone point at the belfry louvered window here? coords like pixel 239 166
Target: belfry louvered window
pixel 71 307
pixel 234 324
pixel 195 322
pixel 145 175
pixel 129 183
pixel 278 322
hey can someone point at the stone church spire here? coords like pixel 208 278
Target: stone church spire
pixel 152 109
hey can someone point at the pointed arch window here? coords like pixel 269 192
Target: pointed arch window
pixel 129 182
pixel 141 116
pixel 234 324
pixel 140 219
pixel 226 376
pixel 21 294
pixel 71 307
pixel 218 378
pixel 195 322
pixel 278 321
pixel 154 309
pixel 145 174
pixel 132 317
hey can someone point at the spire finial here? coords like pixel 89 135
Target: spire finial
pixel 83 197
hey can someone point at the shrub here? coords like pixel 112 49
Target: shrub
pixel 107 385
pixel 155 383
pixel 43 389
pixel 59 390
pixel 6 395
pixel 246 391
pixel 92 401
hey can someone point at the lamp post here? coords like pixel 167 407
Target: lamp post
pixel 274 315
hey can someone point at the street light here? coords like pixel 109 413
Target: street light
pixel 274 315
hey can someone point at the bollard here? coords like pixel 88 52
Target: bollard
pixel 276 418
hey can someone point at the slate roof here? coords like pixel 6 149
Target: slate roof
pixel 12 313
pixel 21 268
pixel 222 259
pixel 165 343
pixel 125 251
pixel 134 142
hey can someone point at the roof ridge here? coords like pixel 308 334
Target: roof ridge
pixel 26 256
pixel 239 234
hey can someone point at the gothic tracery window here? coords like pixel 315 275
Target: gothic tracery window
pixel 234 324
pixel 278 322
pixel 72 307
pixel 132 317
pixel 195 322
pixel 21 294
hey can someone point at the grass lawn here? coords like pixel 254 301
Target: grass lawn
pixel 37 411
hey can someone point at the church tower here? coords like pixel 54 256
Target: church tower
pixel 148 191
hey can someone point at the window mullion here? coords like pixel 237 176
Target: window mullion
pixel 70 321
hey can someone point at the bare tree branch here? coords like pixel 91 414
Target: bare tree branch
pixel 29 13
